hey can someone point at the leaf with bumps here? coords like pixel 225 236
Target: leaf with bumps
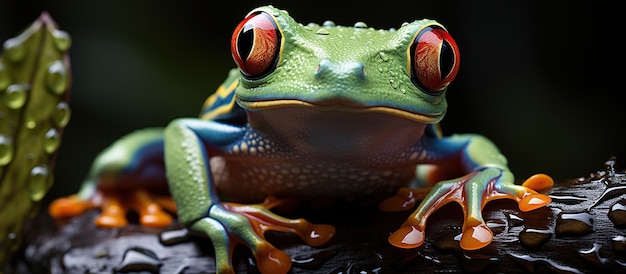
pixel 35 81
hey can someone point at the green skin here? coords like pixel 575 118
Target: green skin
pixel 354 118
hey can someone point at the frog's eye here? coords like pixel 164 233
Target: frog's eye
pixel 255 45
pixel 434 59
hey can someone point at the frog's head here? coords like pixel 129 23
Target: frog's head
pixel 401 72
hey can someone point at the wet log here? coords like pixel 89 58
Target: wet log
pixel 581 231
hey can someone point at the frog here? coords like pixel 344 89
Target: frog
pixel 310 111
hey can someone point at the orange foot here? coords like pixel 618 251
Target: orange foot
pixel 472 192
pixel 114 206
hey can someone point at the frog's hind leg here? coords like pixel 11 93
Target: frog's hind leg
pixel 119 180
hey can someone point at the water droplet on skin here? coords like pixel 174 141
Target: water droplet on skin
pixel 56 79
pixel 360 25
pixel 6 150
pixel 138 259
pixel 5 80
pixel 51 141
pixel 329 24
pixel 383 56
pixel 15 95
pixel 14 50
pixel 62 40
pixel 393 83
pixel 38 182
pixel 322 31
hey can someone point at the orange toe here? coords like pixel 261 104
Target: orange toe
pixel 407 236
pixel 150 212
pixel 272 260
pixel 539 181
pixel 111 221
pixel 405 199
pixel 68 207
pixel 158 219
pixel 113 215
pixel 476 237
pixel 318 234
pixel 533 201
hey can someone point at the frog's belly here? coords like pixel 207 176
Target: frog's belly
pixel 251 182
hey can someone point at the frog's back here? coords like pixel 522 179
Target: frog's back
pixel 221 105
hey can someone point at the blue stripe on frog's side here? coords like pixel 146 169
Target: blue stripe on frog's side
pixel 221 105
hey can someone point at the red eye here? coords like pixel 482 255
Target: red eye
pixel 434 59
pixel 255 45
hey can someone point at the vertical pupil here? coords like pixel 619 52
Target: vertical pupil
pixel 245 41
pixel 446 59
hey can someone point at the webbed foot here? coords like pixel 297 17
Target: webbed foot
pixel 229 224
pixel 114 206
pixel 472 192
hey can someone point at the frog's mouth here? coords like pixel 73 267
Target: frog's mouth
pixel 341 105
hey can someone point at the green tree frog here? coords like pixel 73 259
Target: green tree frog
pixel 310 111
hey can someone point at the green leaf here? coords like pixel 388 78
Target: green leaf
pixel 35 80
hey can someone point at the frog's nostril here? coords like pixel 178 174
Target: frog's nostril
pixel 344 70
pixel 360 70
pixel 323 68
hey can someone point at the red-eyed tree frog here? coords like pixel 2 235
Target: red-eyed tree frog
pixel 310 111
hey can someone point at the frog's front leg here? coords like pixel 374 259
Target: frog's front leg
pixel 189 144
pixel 487 178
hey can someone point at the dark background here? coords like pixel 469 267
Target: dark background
pixel 540 79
